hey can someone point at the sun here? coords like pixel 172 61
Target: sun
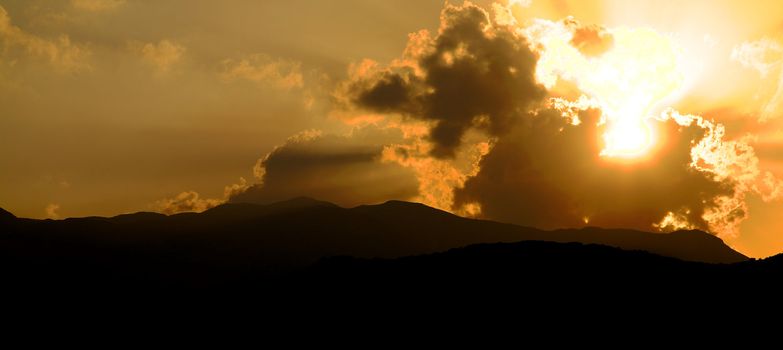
pixel 628 82
pixel 628 140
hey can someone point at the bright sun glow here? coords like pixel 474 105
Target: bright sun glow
pixel 627 82
pixel 627 139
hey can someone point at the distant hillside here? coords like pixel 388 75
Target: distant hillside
pixel 247 244
pixel 5 215
pixel 302 230
pixel 435 225
pixel 538 273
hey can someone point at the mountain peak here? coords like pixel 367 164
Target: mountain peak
pixel 303 202
pixel 6 215
pixel 142 216
pixel 404 210
pixel 696 233
pixel 693 245
pixel 243 210
pixel 293 203
pixel 394 203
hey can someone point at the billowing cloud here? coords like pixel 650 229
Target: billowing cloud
pixel 763 55
pixel 162 55
pixel 483 142
pixel 51 211
pixel 345 169
pixel 591 40
pixel 191 201
pixel 60 53
pixel 188 201
pixel 462 120
pixel 766 57
pixel 729 161
pixel 474 74
pixel 548 173
pixel 522 3
pixel 437 177
pixel 262 68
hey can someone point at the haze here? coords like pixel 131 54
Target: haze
pixel 637 114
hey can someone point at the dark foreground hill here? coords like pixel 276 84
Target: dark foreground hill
pixel 395 243
pixel 535 280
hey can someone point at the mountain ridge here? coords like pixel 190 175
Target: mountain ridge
pixel 310 229
pixel 307 246
pixel 6 215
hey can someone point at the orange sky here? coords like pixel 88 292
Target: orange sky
pixel 724 90
pixel 114 106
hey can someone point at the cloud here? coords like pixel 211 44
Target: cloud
pixel 766 57
pixel 763 55
pixel 282 74
pixel 51 211
pixel 191 201
pixel 522 3
pixel 462 121
pixel 437 177
pixel 590 40
pixel 344 169
pixel 263 68
pixel 349 170
pixel 474 74
pixel 730 161
pixel 188 201
pixel 60 53
pixel 484 141
pixel 162 55
pixel 548 173
pixel 97 5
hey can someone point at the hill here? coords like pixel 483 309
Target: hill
pixel 237 242
pixel 5 215
pixel 302 230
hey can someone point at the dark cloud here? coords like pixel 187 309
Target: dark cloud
pixel 548 173
pixel 474 73
pixel 346 170
pixel 541 171
pixel 389 93
pixel 590 40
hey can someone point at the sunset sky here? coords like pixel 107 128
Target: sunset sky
pixel 654 115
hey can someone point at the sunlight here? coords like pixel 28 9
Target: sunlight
pixel 628 82
pixel 627 139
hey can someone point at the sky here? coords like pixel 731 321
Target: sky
pixel 654 115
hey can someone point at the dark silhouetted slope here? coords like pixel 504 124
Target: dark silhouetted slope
pixel 541 265
pixel 5 215
pixel 246 244
pixel 690 245
pixel 548 277
pixel 445 227
pixel 136 218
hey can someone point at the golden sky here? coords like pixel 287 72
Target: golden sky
pixel 654 115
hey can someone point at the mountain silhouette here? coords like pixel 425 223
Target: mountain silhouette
pixel 301 230
pixel 5 215
pixel 439 226
pixel 548 276
pixel 301 239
